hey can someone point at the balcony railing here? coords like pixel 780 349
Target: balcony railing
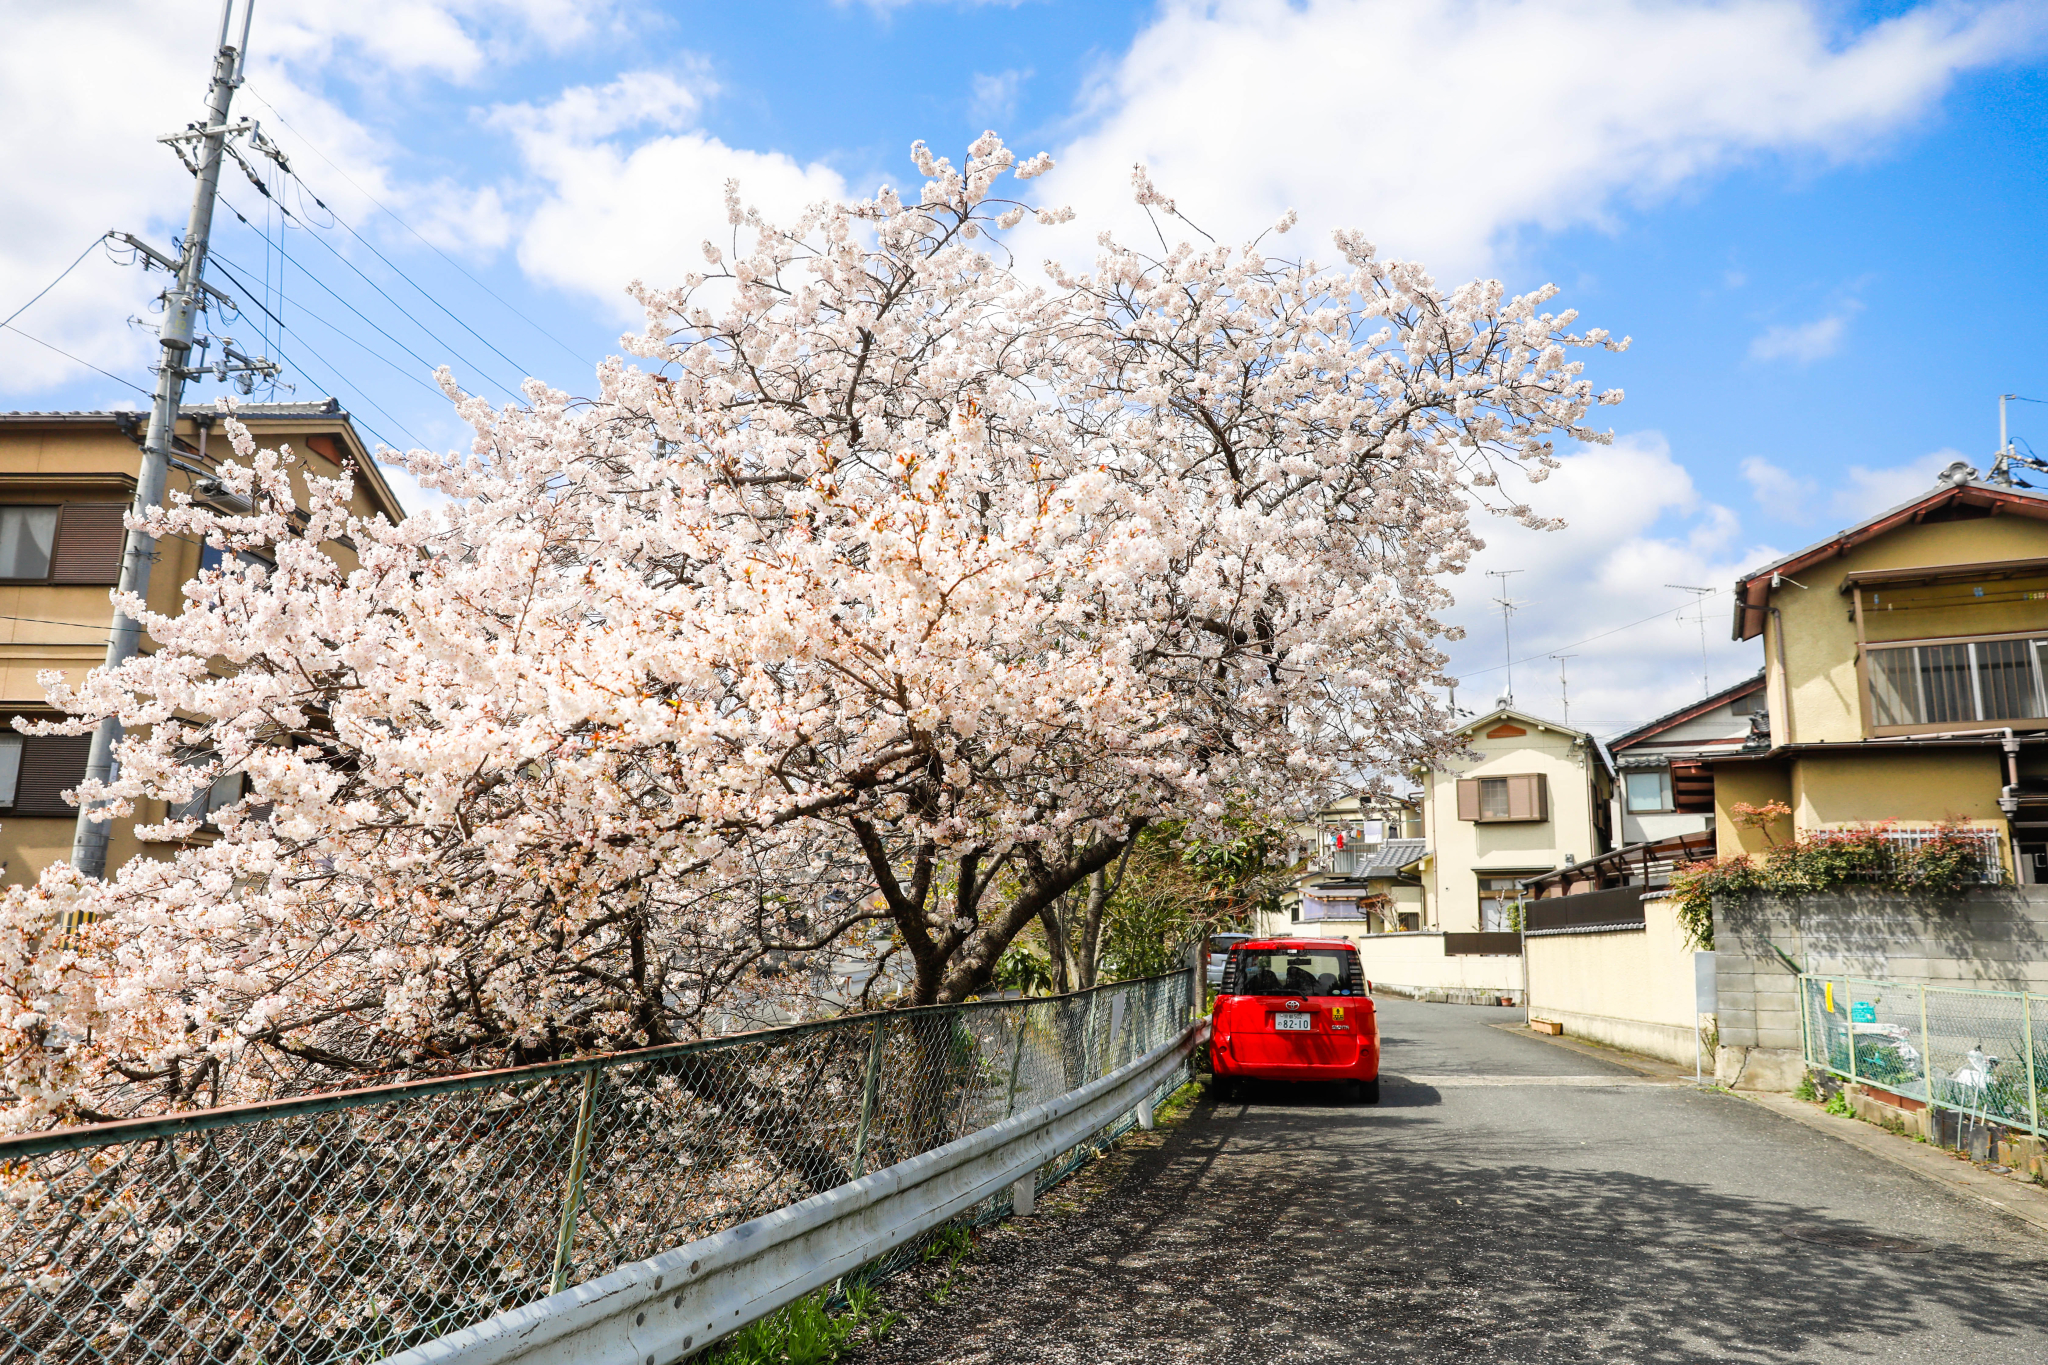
pixel 1992 681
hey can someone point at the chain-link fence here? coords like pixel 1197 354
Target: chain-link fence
pixel 1980 1053
pixel 348 1227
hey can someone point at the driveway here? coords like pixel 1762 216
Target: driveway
pixel 1506 1201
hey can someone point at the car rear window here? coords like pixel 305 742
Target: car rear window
pixel 1282 971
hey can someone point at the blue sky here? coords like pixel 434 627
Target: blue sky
pixel 1817 220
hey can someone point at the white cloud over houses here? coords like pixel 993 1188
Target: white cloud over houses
pixel 1802 343
pixel 1598 590
pixel 1444 128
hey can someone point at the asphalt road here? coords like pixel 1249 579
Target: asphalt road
pixel 1506 1201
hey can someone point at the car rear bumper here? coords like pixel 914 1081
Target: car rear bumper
pixel 1259 1057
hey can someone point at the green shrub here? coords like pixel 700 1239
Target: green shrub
pixel 1941 868
pixel 807 1332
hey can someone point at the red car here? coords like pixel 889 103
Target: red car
pixel 1295 1009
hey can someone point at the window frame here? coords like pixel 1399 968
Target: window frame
pixel 1867 693
pixel 1668 792
pixel 63 506
pixel 1470 797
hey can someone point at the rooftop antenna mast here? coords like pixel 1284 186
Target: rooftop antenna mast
pixel 1699 597
pixel 1507 610
pixel 1564 695
pixel 201 147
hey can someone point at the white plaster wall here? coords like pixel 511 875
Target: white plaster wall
pixel 1631 989
pixel 1461 850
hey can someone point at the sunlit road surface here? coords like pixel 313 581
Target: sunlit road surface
pixel 1506 1201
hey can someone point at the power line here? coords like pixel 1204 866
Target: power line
pixel 298 337
pixel 312 147
pixel 329 247
pixel 74 359
pixel 230 271
pixel 1590 638
pixel 54 283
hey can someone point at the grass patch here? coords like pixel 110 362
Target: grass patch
pixel 807 1332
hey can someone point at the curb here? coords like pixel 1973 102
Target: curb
pixel 2027 1203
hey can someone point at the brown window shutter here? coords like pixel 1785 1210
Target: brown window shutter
pixel 89 543
pixel 50 766
pixel 1692 788
pixel 1468 799
pixel 1521 798
pixel 1541 787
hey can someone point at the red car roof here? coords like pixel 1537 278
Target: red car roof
pixel 1295 943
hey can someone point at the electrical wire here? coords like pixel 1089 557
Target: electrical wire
pixel 1683 606
pixel 361 393
pixel 229 268
pixel 312 147
pixel 329 248
pixel 74 359
pixel 54 283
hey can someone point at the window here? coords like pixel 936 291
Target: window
pixel 1753 704
pixel 1961 682
pixel 213 557
pixel 74 543
pixel 1648 789
pixel 225 791
pixel 1517 796
pixel 38 770
pixel 1279 971
pixel 1499 898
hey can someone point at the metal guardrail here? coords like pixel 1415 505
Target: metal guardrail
pixel 681 1301
pixel 351 1227
pixel 1983 1054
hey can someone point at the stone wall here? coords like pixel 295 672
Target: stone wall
pixel 1995 939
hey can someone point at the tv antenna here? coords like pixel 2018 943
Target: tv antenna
pixel 1564 696
pixel 1699 597
pixel 1507 610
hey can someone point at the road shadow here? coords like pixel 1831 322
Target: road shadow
pixel 1257 1233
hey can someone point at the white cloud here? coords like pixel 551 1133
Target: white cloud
pixel 1864 492
pixel 613 211
pixel 993 99
pixel 85 91
pixel 1778 491
pixel 1635 524
pixel 1802 343
pixel 1443 127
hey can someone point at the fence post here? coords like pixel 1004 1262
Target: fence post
pixel 1017 1059
pixel 1926 1057
pixel 1849 1002
pixel 572 1199
pixel 2033 1082
pixel 868 1086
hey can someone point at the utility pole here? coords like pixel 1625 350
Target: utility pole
pixel 1699 598
pixel 183 301
pixel 1507 609
pixel 1564 696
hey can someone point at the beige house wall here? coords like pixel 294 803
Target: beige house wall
pixel 1417 960
pixel 1631 989
pixel 1820 638
pixel 64 628
pixel 1461 851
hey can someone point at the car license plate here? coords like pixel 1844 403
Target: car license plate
pixel 1291 1023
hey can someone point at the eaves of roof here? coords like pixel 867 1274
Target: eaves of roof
pixel 1753 683
pixel 1959 486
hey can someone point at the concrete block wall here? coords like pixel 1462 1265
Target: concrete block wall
pixel 1993 939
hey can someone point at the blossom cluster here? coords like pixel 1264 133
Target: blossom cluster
pixel 882 589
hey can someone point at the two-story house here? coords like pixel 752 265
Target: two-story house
pixel 1664 766
pixel 1905 675
pixel 66 479
pixel 1537 795
pixel 1359 879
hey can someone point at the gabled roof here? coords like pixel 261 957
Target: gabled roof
pixel 1508 713
pixel 1959 487
pixel 1753 683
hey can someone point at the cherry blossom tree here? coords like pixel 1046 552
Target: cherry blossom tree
pixel 882 594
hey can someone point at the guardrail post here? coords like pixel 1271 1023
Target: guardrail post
pixel 1145 1114
pixel 1024 1195
pixel 572 1199
pixel 868 1086
pixel 2033 1082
